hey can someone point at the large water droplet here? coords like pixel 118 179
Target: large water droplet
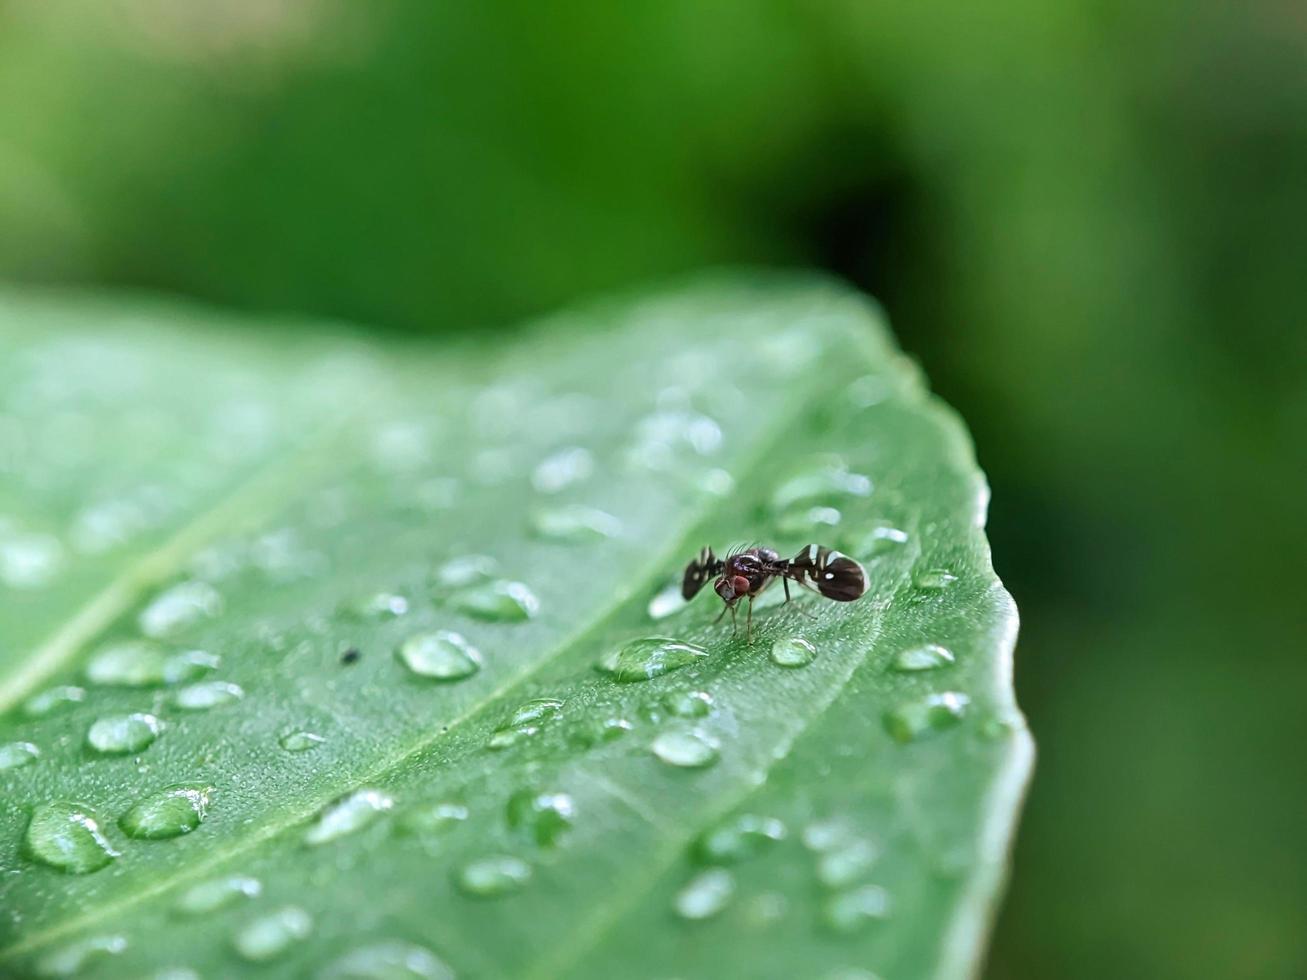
pixel 925 716
pixel 667 602
pixel 129 664
pixel 122 734
pixel 218 893
pixel 15 755
pixel 933 579
pixel 930 656
pixel 689 750
pixel 459 573
pixel 497 601
pixel 433 818
pixel 537 709
pixel 300 741
pixel 179 607
pixel 793 651
pixel 738 838
pixel 388 960
pixel 76 957
pixel 880 540
pixel 52 699
pixel 188 665
pixel 563 469
pixel 67 836
pixel 271 935
pixel 649 657
pixel 208 694
pixel 348 815
pixel 175 811
pixel 495 875
pixel 575 524
pixel 851 911
pixel 544 816
pixel 689 704
pixel 705 895
pixel 443 655
pixel 827 482
pixel 378 605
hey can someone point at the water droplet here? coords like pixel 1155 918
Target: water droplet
pixel 544 816
pixel 272 934
pixel 175 973
pixel 738 838
pixel 15 755
pixel 498 874
pixel 67 836
pixel 300 741
pixel 799 522
pixel 537 709
pixel 931 656
pixel 129 664
pixel 997 728
pixel 661 436
pixel 388 960
pixel 52 699
pixel 576 524
pixel 121 734
pixel 829 481
pixel 846 862
pixel 925 716
pixel 459 573
pixel 504 738
pixel 689 750
pixel 379 605
pixel 705 895
pixel 498 601
pixel 852 910
pixel 175 811
pixel 347 815
pixel 433 818
pixel 880 540
pixel 563 469
pixel 67 961
pixel 443 655
pixel 933 579
pixel 208 694
pixel 667 602
pixel 793 651
pixel 689 704
pixel 181 606
pixel 218 893
pixel 188 665
pixel 614 728
pixel 649 657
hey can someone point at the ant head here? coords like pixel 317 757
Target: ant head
pixel 731 588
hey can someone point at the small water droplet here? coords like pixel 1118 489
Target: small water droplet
pixel 852 910
pixel 575 524
pixel 846 862
pixel 52 699
pixel 188 665
pixel 15 755
pixel 388 960
pixel 271 935
pixel 300 741
pixel 925 716
pixel 933 579
pixel 175 811
pixel 459 573
pixel 67 836
pixel 662 436
pixel 544 816
pixel 347 815
pixel 537 709
pixel 689 750
pixel 379 605
pixel 179 607
pixel 443 655
pixel 667 602
pixel 706 894
pixel 793 651
pixel 122 734
pixel 76 957
pixel 218 893
pixel 175 973
pixel 826 482
pixel 492 876
pixel 738 838
pixel 563 469
pixel 29 561
pixel 649 657
pixel 930 656
pixel 208 694
pixel 614 728
pixel 880 540
pixel 804 520
pixel 504 738
pixel 689 704
pixel 132 663
pixel 433 818
pixel 497 601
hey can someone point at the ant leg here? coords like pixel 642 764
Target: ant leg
pixel 786 583
pixel 733 625
pixel 750 619
pixel 721 614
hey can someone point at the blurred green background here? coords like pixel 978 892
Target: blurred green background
pixel 1087 220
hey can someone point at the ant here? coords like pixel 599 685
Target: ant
pixel 745 573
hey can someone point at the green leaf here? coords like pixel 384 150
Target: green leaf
pixel 368 636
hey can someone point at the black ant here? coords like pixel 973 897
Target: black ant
pixel 745 573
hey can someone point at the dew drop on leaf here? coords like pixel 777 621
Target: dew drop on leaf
pixel 537 709
pixel 575 524
pixel 828 482
pixel 801 521
pixel 649 657
pixel 880 540
pixel 433 818
pixel 498 601
pixel 67 836
pixel 925 716
pixel 208 694
pixel 443 655
pixel 188 665
pixel 378 605
pixel 563 469
pixel 738 838
pixel 846 862
pixel 793 651
pixel 300 741
pixel 271 935
pixel 689 704
pixel 666 602
pixel 853 910
pixel 76 957
pixel 930 656
pixel 15 755
pixel 122 734
pixel 706 894
pixel 459 573
pixel 179 607
pixel 348 815
pixel 218 893
pixel 497 874
pixel 933 579
pixel 388 960
pixel 544 816
pixel 52 699
pixel 133 663
pixel 175 811
pixel 688 750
